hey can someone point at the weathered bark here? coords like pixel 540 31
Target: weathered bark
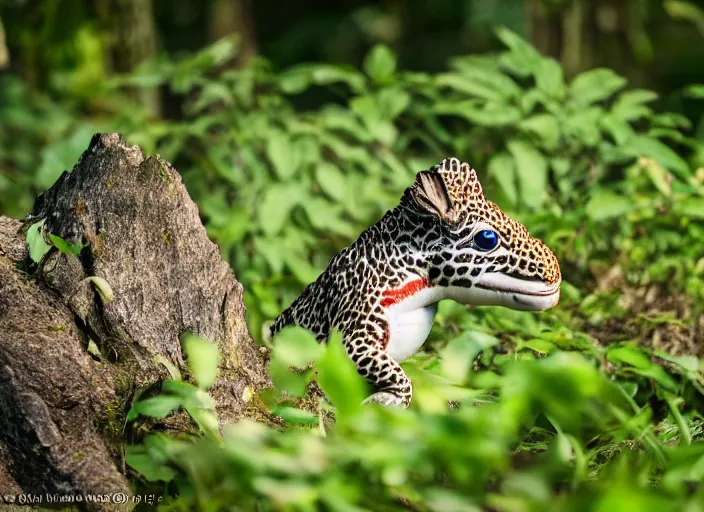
pixel 63 410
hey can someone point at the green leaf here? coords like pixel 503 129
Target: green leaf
pixel 584 125
pixel 298 78
pixel 544 126
pixel 380 64
pixel 206 419
pixel 642 365
pixel 203 359
pixel 327 216
pixel 690 207
pixel 549 78
pixel 594 85
pixel 295 415
pixel 619 129
pixel 392 102
pixel 523 57
pixel 297 347
pixel 331 180
pixel 282 154
pixel 155 407
pixel 467 85
pixel 605 205
pixel 35 242
pixel 630 104
pixel 275 208
pixel 338 378
pixel 652 148
pixel 459 353
pixel 532 172
pixel 66 247
pixel 502 169
pixel 483 114
pixel 153 470
pixel 695 91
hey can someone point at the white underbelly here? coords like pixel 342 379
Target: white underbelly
pixel 408 330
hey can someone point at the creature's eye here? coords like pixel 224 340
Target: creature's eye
pixel 486 240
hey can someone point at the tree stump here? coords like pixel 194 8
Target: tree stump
pixel 63 409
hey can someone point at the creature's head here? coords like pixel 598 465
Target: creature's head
pixel 481 255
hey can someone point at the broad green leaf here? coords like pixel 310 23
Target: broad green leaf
pixel 544 126
pixel 142 462
pixel 459 353
pixel 392 102
pixel 540 345
pixel 502 169
pixel 642 365
pixel 380 64
pixel 276 205
pixel 298 78
pixel 584 125
pixel 619 129
pixel 695 91
pixel 629 355
pixel 35 242
pixel 338 378
pixel 686 11
pixel 523 57
pixel 282 154
pixel 368 109
pixel 331 180
pixel 653 148
pixel 531 171
pixel 155 407
pixel 344 120
pixel 493 78
pixel 486 114
pixel 295 415
pixel 469 86
pixel 299 266
pixel 604 205
pixel 549 78
pixel 327 216
pixel 594 85
pixel 64 246
pixel 296 346
pixel 690 207
pixel 203 359
pixel 630 104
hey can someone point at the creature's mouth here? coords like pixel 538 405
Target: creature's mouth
pixel 520 293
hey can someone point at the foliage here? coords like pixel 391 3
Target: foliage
pixel 579 408
pixel 587 444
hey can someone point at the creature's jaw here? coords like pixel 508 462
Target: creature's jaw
pixel 495 289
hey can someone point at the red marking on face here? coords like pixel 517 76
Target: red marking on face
pixel 391 297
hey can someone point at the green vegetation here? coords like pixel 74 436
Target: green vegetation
pixel 594 405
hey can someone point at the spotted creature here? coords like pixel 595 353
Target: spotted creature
pixel 443 241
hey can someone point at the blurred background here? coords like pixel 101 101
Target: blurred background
pixel 296 124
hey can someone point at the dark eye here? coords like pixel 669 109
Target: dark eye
pixel 486 239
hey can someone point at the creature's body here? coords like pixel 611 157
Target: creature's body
pixel 443 241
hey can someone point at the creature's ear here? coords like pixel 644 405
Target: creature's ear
pixel 430 193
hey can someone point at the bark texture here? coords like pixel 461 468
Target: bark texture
pixel 62 424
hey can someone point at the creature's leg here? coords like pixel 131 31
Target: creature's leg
pixel 392 385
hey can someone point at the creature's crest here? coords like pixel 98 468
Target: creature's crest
pixel 451 191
